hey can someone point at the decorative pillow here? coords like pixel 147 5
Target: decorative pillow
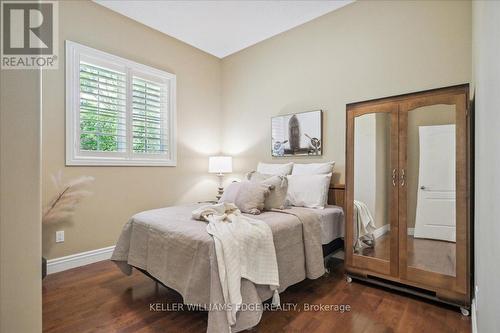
pixel 313 168
pixel 248 196
pixel 279 184
pixel 279 169
pixel 230 192
pixel 308 190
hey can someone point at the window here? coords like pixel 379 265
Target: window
pixel 118 112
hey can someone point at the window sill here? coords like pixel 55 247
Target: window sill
pixel 119 162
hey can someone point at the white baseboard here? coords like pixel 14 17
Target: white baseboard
pixel 473 316
pixel 381 231
pixel 79 259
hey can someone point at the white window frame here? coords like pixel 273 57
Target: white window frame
pixel 74 156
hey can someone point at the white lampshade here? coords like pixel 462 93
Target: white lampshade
pixel 220 164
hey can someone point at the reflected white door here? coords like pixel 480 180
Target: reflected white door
pixel 435 216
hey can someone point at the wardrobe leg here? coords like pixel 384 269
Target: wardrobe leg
pixel 465 311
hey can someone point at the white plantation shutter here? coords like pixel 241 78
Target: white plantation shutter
pixel 118 112
pixel 102 109
pixel 149 117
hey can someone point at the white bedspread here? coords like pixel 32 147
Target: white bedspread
pixel 244 248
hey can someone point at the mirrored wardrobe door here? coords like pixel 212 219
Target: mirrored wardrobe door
pixel 431 148
pixel 373 188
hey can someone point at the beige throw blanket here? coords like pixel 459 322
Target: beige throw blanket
pixel 178 251
pixel 365 225
pixel 245 249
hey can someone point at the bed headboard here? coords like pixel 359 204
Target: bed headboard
pixel 336 195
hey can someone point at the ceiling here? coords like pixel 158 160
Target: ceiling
pixel 222 27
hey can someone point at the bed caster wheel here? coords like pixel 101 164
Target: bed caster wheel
pixel 465 312
pixel 348 279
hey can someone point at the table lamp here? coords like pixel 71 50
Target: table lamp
pixel 220 165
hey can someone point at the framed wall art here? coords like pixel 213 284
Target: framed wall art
pixel 297 134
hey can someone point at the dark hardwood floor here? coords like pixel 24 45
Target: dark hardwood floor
pixel 432 255
pixel 427 254
pixel 99 298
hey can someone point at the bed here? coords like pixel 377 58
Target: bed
pixel 332 228
pixel 175 250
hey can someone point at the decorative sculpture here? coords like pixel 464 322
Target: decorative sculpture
pixel 294 133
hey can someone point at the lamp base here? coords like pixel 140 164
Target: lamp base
pixel 220 189
pixel 219 193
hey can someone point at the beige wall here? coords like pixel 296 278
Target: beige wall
pixel 372 164
pixel 365 161
pixel 20 213
pixel 120 192
pixel 487 154
pixel 366 50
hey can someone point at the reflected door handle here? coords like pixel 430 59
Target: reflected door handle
pixel 403 177
pixel 394 177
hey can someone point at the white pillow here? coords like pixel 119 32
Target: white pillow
pixel 308 190
pixel 313 168
pixel 277 169
pixel 230 192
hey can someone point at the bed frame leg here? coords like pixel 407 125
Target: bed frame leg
pixel 326 263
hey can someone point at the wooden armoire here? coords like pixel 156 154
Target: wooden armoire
pixel 408 193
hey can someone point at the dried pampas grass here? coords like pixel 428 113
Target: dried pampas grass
pixel 63 206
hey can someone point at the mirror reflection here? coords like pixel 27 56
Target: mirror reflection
pixel 431 189
pixel 372 185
